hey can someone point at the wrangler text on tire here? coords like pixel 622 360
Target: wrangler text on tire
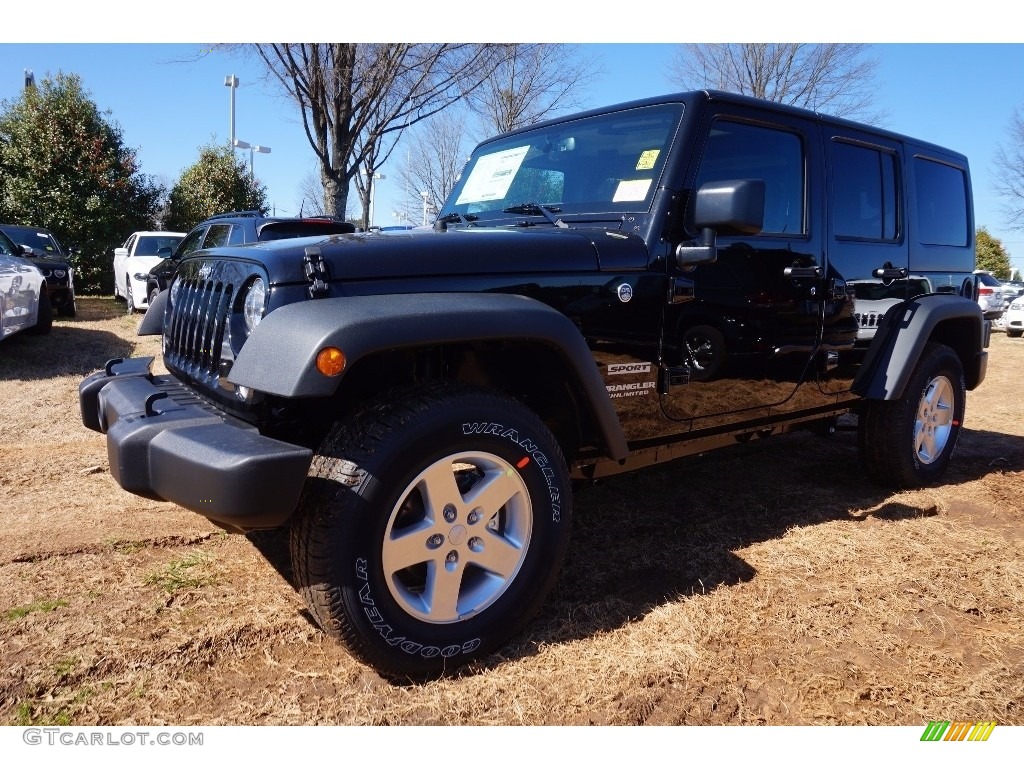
pixel 432 527
pixel 908 442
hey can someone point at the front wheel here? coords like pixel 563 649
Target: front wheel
pixel 129 294
pixel 909 442
pixel 432 527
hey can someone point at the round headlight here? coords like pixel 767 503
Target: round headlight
pixel 175 291
pixel 59 272
pixel 255 303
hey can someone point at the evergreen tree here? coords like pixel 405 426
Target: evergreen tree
pixel 64 167
pixel 990 254
pixel 218 182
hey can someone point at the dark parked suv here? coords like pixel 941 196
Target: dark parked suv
pixel 45 251
pixel 239 228
pixel 599 293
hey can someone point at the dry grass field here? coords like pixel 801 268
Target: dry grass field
pixel 769 583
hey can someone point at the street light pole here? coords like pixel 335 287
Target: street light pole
pixel 424 194
pixel 372 177
pixel 253 148
pixel 232 82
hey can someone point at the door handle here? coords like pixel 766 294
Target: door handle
pixel 817 272
pixel 888 272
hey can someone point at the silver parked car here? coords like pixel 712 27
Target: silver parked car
pixel 24 301
pixel 993 296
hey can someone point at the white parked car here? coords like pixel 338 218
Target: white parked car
pixel 1014 318
pixel 133 260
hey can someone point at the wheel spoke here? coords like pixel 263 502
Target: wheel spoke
pixel 493 492
pixel 409 547
pixel 443 587
pixel 439 488
pixel 500 556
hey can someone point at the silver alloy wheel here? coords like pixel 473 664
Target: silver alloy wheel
pixel 934 422
pixel 457 537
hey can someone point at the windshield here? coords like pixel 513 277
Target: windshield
pixel 150 245
pixel 40 242
pixel 608 163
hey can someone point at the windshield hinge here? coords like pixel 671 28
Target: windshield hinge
pixel 316 272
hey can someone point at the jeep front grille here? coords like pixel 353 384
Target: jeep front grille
pixel 196 326
pixel 201 324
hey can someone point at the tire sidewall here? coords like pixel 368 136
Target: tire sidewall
pixel 447 429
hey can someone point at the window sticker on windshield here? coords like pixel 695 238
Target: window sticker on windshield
pixel 631 190
pixel 647 159
pixel 492 176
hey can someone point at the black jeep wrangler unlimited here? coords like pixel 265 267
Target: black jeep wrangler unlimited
pixel 600 292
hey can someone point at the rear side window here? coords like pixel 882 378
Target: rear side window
pixel 217 235
pixel 864 203
pixel 742 151
pixel 941 203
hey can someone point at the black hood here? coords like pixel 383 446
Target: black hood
pixel 425 253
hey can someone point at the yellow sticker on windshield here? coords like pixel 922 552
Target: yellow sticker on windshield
pixel 647 159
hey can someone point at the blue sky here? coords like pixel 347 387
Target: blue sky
pixel 170 99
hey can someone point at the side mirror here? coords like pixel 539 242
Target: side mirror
pixel 120 252
pixel 27 250
pixel 733 207
pixel 164 253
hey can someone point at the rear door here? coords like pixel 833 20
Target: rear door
pixel 868 255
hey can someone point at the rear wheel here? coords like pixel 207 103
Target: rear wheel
pixel 1014 334
pixel 431 528
pixel 908 442
pixel 704 351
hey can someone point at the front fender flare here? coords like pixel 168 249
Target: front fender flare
pixel 279 357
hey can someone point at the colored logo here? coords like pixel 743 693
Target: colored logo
pixel 944 730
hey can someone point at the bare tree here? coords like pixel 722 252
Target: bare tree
pixel 532 82
pixel 311 195
pixel 1009 171
pixel 435 155
pixel 838 78
pixel 356 99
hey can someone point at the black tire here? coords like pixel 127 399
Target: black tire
pixel 908 442
pixel 129 295
pixel 152 296
pixel 68 310
pixel 703 351
pixel 44 319
pixel 370 558
pixel 1014 334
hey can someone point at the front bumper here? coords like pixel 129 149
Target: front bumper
pixel 163 442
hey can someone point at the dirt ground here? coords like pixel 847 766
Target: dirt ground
pixel 769 583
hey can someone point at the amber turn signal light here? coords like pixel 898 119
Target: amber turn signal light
pixel 330 361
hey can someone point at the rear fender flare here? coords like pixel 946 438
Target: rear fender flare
pixel 905 330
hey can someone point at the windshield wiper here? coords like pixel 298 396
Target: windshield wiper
pixel 535 209
pixel 457 218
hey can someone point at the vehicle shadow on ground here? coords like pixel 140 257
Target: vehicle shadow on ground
pixel 663 534
pixel 66 351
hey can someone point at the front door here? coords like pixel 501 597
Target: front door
pixel 742 335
